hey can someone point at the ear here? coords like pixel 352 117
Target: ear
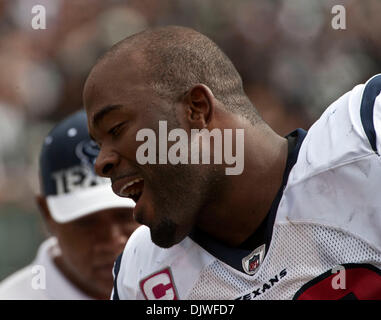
pixel 44 209
pixel 201 103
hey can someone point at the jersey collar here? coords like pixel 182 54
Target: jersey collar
pixel 234 256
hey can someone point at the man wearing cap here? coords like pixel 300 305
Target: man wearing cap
pixel 89 224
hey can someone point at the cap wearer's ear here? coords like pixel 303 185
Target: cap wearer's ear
pixel 47 217
pixel 43 207
pixel 201 103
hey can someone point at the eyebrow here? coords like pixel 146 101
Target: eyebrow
pixel 103 112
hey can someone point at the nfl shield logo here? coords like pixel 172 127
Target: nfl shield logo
pixel 251 262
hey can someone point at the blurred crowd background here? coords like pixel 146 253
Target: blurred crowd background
pixel 293 64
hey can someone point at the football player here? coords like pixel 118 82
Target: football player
pixel 303 219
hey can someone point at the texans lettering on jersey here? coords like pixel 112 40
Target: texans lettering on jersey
pixel 326 234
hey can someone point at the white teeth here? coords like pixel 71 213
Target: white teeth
pixel 132 182
pixel 129 184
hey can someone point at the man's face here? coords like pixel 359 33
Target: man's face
pixel 90 246
pixel 168 197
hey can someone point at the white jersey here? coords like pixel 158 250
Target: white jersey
pixel 325 239
pixel 41 280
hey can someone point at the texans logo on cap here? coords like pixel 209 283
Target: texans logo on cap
pixel 87 151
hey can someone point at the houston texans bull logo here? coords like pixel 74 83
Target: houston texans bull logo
pixel 87 151
pixel 80 176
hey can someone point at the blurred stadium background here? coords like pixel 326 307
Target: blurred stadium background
pixel 293 63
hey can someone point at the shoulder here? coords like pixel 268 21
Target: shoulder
pixel 348 130
pixel 140 248
pixel 19 286
pixel 335 180
pixel 143 266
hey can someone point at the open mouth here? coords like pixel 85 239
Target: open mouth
pixel 132 189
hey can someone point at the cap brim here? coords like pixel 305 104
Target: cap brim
pixel 68 207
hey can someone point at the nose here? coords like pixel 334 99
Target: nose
pixel 106 162
pixel 111 239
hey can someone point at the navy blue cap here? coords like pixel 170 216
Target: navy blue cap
pixel 67 148
pixel 68 179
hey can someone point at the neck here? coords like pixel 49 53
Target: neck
pixel 247 198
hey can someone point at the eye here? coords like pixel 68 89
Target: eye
pixel 85 222
pixel 116 130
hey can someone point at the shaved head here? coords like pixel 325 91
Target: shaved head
pixel 173 59
pixel 180 77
